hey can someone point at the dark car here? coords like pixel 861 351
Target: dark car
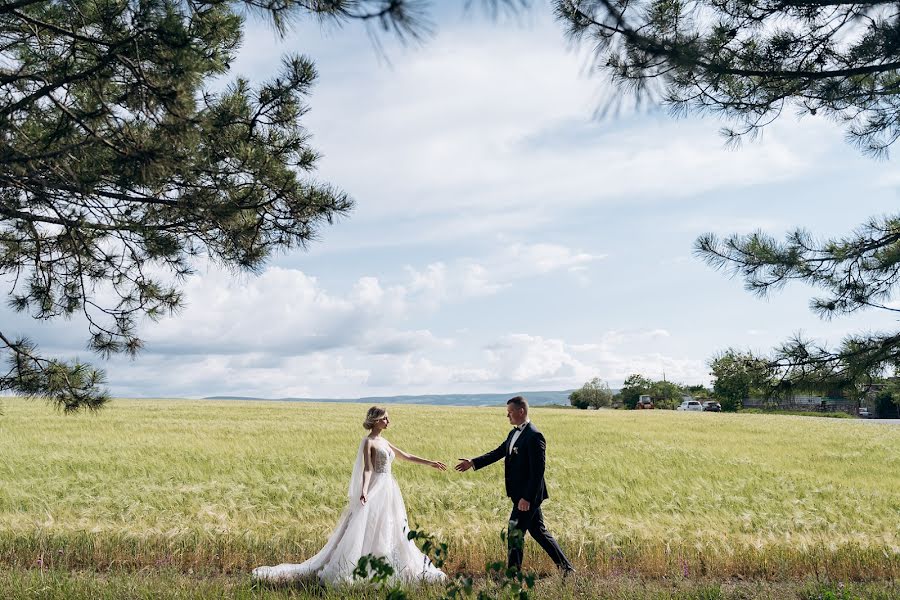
pixel 712 406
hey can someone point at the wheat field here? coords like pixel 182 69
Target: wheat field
pixel 217 487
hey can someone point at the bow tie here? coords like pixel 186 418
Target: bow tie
pixel 518 428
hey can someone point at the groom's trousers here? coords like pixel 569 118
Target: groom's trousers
pixel 531 521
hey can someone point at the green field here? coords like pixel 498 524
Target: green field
pixel 211 489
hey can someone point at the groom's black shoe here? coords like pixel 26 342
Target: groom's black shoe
pixel 567 571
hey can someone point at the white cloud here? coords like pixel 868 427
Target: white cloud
pixel 391 341
pixel 424 375
pixel 621 353
pixel 438 282
pixel 468 278
pixel 287 312
pixel 282 310
pixel 283 334
pixel 544 258
pixel 541 361
pixel 523 357
pixel 511 362
pixel 461 135
pixel 314 375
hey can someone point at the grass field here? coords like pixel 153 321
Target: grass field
pixel 211 489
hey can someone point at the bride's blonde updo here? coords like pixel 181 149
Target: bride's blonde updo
pixel 375 413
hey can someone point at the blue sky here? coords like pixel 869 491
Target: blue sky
pixel 504 237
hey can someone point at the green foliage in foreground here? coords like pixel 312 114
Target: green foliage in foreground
pixel 221 487
pixel 170 585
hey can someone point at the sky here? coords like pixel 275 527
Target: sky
pixel 505 236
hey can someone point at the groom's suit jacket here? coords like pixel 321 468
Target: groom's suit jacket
pixel 523 466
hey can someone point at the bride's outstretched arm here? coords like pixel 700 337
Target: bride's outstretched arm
pixel 367 471
pixel 415 459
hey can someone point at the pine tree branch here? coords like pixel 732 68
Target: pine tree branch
pixel 674 52
pixel 60 30
pixel 8 7
pixel 70 387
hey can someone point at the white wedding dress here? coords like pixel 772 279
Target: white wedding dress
pixel 379 528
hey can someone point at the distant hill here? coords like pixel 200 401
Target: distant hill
pixel 535 398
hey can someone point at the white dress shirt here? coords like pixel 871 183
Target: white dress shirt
pixel 516 435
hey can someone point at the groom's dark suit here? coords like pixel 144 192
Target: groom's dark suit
pixel 524 465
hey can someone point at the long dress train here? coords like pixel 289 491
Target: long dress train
pixel 379 528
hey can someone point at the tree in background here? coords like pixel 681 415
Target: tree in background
pixel 749 60
pixel 698 392
pixel 738 376
pixel 632 388
pixel 887 400
pixel 666 395
pixel 119 166
pixel 593 394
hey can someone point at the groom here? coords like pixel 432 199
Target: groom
pixel 523 461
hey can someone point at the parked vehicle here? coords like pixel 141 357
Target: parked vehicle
pixel 712 406
pixel 644 402
pixel 690 405
pixel 865 413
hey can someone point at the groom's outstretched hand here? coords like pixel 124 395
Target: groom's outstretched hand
pixel 464 465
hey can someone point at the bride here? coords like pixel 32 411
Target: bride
pixel 374 521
